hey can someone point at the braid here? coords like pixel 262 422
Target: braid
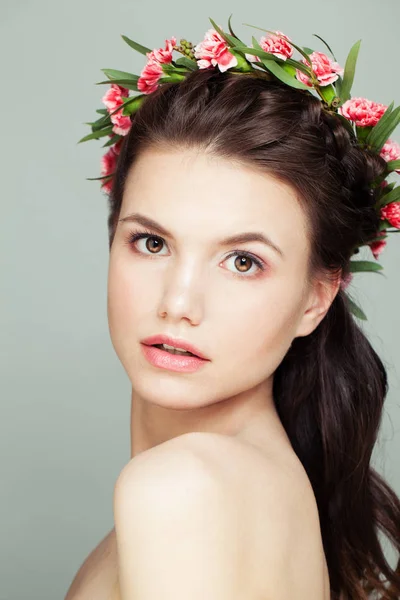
pixel 356 168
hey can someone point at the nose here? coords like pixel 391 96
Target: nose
pixel 183 294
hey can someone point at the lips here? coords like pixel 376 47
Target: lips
pixel 176 342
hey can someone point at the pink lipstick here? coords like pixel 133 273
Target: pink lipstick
pixel 165 359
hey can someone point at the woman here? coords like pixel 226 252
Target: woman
pixel 236 205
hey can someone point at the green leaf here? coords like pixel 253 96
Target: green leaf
pixel 127 83
pixel 230 40
pixel 97 178
pixel 381 123
pixel 289 69
pixel 187 62
pixel 323 41
pixel 95 135
pixel 284 76
pixel 338 87
pixel 302 52
pixel 363 132
pixel 382 130
pixel 113 140
pixel 114 74
pixel 393 165
pixel 173 78
pixel 100 123
pixel 384 224
pixel 230 27
pixel 349 71
pixel 129 100
pixel 346 123
pixel 355 309
pixel 328 93
pixel 169 69
pixel 102 111
pixel 135 45
pixel 364 265
pixel 392 196
pixel 133 104
pixel 257 52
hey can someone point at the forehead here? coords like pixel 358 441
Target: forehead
pixel 190 191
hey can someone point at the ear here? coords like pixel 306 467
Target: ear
pixel 318 301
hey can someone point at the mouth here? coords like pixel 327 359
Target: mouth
pixel 173 345
pixel 171 350
pixel 172 359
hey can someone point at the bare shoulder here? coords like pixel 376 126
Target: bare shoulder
pixel 176 458
pixel 97 573
pixel 268 506
pixel 279 513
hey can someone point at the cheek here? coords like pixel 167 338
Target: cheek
pixel 128 297
pixel 260 330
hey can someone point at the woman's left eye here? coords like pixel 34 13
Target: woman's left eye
pixel 241 261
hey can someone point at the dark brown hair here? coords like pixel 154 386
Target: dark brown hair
pixel 330 387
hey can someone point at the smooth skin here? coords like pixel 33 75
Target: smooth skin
pixel 180 514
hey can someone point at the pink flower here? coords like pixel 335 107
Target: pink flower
pixel 346 280
pixel 391 212
pixel 363 112
pixel 212 51
pixel 277 44
pixel 324 68
pixel 122 123
pixel 108 165
pixel 114 97
pixel 151 73
pixel 391 151
pixel 378 246
pixel 163 55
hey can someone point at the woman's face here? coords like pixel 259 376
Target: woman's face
pixel 242 313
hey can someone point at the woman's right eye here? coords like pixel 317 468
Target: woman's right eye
pixel 152 244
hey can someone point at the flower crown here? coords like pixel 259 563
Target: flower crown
pixel 371 122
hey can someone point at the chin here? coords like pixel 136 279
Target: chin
pixel 170 390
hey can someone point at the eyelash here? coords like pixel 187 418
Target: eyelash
pixel 136 235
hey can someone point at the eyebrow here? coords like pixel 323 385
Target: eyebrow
pixel 240 238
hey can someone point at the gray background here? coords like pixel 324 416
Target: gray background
pixel 65 398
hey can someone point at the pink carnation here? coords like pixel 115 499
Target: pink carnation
pixel 391 151
pixel 122 123
pixel 108 165
pixel 151 73
pixel 363 112
pixel 277 44
pixel 212 51
pixel 326 70
pixel 391 212
pixel 163 55
pixel 378 246
pixel 114 97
